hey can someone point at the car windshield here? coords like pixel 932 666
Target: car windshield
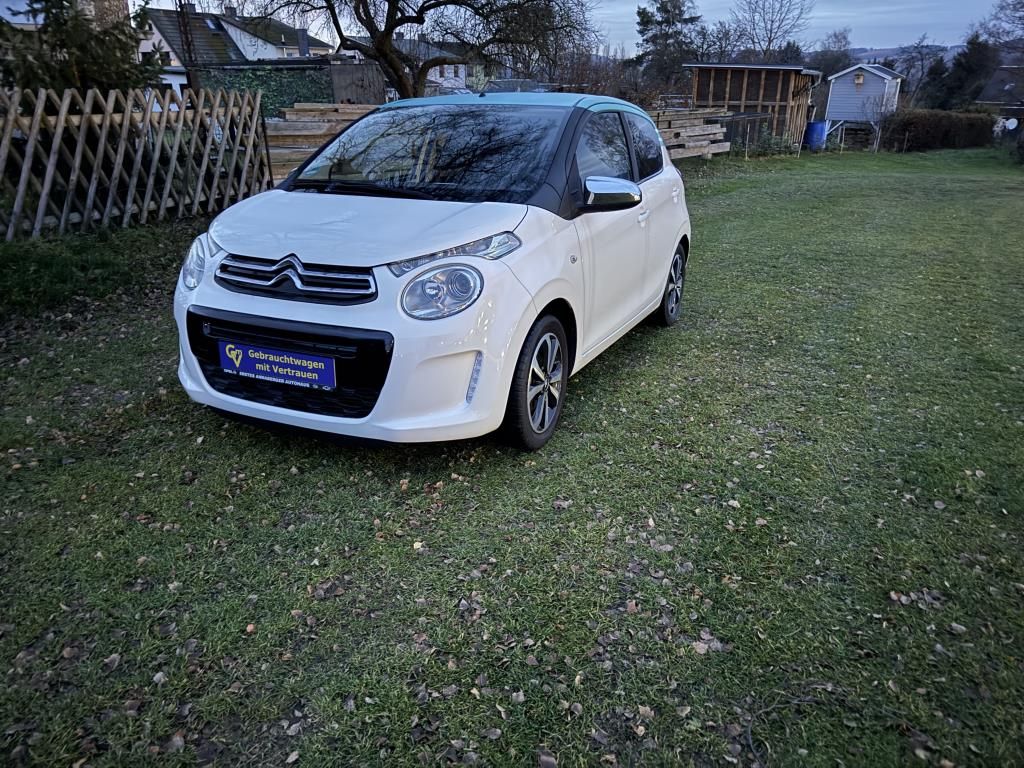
pixel 467 153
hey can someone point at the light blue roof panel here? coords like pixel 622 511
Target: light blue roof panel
pixel 565 100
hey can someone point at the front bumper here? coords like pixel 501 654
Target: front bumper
pixel 426 380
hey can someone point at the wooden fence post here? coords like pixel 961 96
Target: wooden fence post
pixel 72 161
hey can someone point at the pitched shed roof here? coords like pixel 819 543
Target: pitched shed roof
pixel 273 31
pixel 876 69
pixel 1006 86
pixel 770 67
pixel 212 43
pixel 892 73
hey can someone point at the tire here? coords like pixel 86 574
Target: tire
pixel 672 297
pixel 531 421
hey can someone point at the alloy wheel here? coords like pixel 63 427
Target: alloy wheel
pixel 544 384
pixel 674 288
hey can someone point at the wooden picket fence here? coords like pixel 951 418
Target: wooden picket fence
pixel 76 162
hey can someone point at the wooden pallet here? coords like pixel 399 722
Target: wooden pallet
pixel 305 127
pixel 692 132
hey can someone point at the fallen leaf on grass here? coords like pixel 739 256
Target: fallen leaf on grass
pixel 111 662
pixel 176 743
pixel 545 759
pixel 291 758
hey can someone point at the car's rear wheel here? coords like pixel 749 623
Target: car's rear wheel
pixel 538 385
pixel 672 298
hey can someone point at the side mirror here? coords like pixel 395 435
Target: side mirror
pixel 606 193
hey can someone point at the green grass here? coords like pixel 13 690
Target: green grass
pixel 51 272
pixel 787 530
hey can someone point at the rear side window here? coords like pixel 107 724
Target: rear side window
pixel 602 150
pixel 646 144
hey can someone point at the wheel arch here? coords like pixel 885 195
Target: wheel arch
pixel 562 309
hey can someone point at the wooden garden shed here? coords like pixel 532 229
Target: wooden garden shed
pixel 781 90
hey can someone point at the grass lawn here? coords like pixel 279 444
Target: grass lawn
pixel 786 531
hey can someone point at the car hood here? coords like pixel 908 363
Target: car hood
pixel 355 230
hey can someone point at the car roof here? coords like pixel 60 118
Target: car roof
pixel 531 99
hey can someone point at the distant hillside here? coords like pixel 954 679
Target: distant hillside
pixel 868 55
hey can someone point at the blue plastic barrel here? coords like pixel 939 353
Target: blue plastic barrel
pixel 814 137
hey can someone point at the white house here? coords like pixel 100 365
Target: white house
pixel 863 93
pixel 265 38
pixel 450 77
pixel 219 39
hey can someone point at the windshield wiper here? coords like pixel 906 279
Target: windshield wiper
pixel 342 187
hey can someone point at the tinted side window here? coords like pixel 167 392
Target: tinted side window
pixel 646 144
pixel 602 149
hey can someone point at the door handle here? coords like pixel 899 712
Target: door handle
pixel 643 216
pixel 675 194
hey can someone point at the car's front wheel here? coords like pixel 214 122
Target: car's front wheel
pixel 672 297
pixel 538 385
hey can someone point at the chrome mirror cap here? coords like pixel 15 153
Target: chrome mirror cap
pixel 606 193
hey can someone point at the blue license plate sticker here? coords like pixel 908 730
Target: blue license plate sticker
pixel 294 368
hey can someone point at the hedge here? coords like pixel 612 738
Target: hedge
pixel 920 129
pixel 282 86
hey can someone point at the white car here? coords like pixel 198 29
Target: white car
pixel 438 270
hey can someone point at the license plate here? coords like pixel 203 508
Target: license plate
pixel 293 368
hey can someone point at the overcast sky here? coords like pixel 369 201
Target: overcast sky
pixel 875 23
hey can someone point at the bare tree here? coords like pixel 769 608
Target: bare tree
pixel 480 30
pixel 833 54
pixel 914 61
pixel 718 42
pixel 565 41
pixel 1005 27
pixel 766 25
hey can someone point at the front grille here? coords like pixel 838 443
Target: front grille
pixel 289 278
pixel 361 360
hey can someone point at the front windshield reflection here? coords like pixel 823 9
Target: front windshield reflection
pixel 453 152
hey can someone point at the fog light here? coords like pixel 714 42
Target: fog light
pixel 474 377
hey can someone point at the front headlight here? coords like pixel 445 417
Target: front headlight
pixel 203 247
pixel 442 292
pixel 493 247
pixel 195 263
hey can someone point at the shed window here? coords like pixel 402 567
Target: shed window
pixel 858 79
